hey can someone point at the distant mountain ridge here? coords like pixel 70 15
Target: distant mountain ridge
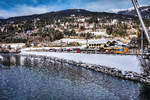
pixel 145 11
pixel 69 12
pixel 2 17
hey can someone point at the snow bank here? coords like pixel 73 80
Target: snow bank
pixel 123 63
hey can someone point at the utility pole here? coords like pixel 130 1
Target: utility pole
pixel 142 42
pixel 86 44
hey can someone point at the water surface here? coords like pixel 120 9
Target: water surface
pixel 39 78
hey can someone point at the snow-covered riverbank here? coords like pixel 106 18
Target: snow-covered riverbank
pixel 123 63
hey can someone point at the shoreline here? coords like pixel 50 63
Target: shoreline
pixel 127 75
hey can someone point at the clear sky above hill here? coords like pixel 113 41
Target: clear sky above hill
pixel 9 8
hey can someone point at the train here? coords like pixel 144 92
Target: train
pixel 72 50
pixel 107 48
pixel 116 50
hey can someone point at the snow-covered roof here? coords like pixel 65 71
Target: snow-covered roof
pixel 120 43
pixel 97 41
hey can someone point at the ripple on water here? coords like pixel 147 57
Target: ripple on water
pixel 26 78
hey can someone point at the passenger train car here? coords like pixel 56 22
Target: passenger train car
pixel 117 50
pixel 107 48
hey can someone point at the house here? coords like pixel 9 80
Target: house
pixel 99 43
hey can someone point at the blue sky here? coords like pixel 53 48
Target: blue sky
pixel 10 8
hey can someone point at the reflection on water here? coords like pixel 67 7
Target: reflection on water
pixel 33 78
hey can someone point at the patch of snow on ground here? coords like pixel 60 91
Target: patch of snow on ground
pixel 82 41
pixel 123 63
pixel 14 45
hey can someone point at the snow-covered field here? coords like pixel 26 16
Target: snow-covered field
pixel 123 63
pixel 82 41
pixel 13 45
pixel 47 48
pixel 90 41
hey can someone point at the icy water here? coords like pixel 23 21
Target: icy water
pixel 38 78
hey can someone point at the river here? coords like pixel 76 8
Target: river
pixel 39 78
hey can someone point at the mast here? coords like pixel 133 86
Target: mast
pixel 141 20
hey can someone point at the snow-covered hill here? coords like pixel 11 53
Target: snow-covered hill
pixel 1 17
pixel 145 11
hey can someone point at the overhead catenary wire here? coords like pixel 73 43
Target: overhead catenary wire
pixel 136 6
